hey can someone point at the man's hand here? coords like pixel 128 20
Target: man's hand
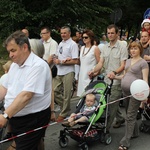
pixel 56 61
pixel 111 75
pixel 53 117
pixel 67 59
pixel 3 121
pixel 50 59
pixel 146 57
pixel 145 101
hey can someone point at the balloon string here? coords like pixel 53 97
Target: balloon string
pixel 136 94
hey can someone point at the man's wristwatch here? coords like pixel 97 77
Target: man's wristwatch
pixel 115 72
pixel 5 116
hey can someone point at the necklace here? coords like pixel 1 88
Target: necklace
pixel 83 54
pixel 133 61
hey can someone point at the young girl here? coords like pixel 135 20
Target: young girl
pixel 6 67
pixel 146 27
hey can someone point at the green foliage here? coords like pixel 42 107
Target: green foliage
pixel 3 51
pixel 3 57
pixel 93 14
pixel 53 13
pixel 12 13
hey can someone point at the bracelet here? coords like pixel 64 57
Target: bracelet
pixel 93 69
pixel 53 111
pixel 114 72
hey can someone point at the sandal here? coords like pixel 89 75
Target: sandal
pixel 13 147
pixel 66 124
pixel 122 147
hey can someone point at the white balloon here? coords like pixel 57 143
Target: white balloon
pixel 139 89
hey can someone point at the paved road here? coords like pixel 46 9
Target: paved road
pixel 52 139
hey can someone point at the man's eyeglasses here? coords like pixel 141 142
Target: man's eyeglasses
pixel 43 33
pixel 61 50
pixel 85 37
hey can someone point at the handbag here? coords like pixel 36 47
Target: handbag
pixel 54 71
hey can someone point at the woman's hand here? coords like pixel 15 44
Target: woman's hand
pixel 145 101
pixel 91 74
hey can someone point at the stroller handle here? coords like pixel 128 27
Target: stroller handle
pixel 112 81
pixel 101 77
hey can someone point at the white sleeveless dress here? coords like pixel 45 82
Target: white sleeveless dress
pixel 87 63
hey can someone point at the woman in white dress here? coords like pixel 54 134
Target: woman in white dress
pixel 89 57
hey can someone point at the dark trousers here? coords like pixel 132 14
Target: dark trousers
pixel 27 123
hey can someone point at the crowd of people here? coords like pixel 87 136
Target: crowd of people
pixel 30 91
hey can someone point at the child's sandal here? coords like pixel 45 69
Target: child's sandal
pixel 72 123
pixel 122 147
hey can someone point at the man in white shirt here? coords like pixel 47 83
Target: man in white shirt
pixel 27 92
pixel 67 57
pixel 50 45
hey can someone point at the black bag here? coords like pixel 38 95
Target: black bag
pixel 145 126
pixel 54 71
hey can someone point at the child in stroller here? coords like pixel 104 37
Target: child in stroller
pixel 95 127
pixel 85 113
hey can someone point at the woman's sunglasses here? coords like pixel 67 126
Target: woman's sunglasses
pixel 85 37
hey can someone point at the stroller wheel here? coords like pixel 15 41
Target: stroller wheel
pixel 63 142
pixel 108 139
pixel 84 147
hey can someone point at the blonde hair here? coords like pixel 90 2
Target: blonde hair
pixel 90 95
pixel 7 65
pixel 75 38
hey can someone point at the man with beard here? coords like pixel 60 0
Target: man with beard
pixel 145 39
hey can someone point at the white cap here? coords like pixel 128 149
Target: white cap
pixel 145 20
